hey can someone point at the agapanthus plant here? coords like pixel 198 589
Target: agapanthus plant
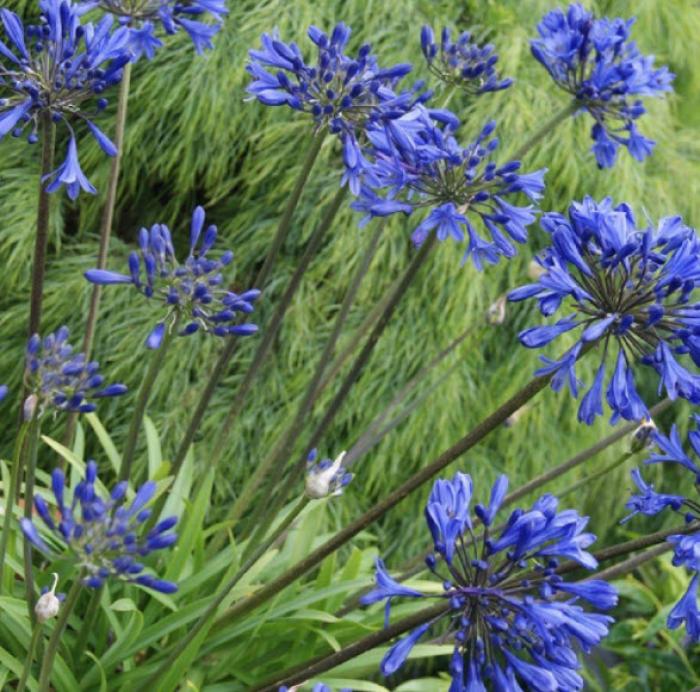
pixel 194 292
pixel 342 93
pixel 326 477
pixel 420 165
pixel 145 17
pixel 514 620
pixel 593 60
pixel 462 63
pixel 59 379
pixel 630 291
pixel 59 68
pixel 105 536
pixel 686 547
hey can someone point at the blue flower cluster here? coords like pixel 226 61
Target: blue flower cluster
pixel 631 293
pixel 103 534
pixel 421 165
pixel 515 620
pixel 343 93
pixel 463 63
pixel 193 291
pixel 61 379
pixel 593 60
pixel 144 17
pixel 686 546
pixel 60 68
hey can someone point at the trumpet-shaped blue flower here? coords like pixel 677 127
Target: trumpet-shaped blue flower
pixel 515 621
pixel 59 68
pixel 418 162
pixel 593 60
pixel 61 379
pixel 462 63
pixel 104 535
pixel 145 17
pixel 632 292
pixel 194 292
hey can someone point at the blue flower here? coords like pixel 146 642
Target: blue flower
pixel 61 379
pixel 3 391
pixel 193 291
pixel 515 621
pixel 649 502
pixel 593 60
pixel 464 64
pixel 631 290
pixel 104 535
pixel 686 611
pixel 59 67
pixel 418 161
pixel 143 18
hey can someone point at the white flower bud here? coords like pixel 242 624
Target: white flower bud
pixel 30 404
pixel 326 479
pixel 496 314
pixel 535 270
pixel 48 604
pixel 642 436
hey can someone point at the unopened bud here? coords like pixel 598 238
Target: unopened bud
pixel 642 436
pixel 535 270
pixel 496 314
pixel 326 478
pixel 29 409
pixel 48 604
pixel 516 416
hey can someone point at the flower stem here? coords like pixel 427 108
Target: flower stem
pixel 207 615
pixel 594 476
pixel 11 495
pixel 286 441
pixel 43 217
pixel 144 395
pixel 26 672
pixel 88 621
pixel 260 281
pixel 52 646
pixel 546 129
pixel 30 465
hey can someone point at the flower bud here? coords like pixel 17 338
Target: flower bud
pixel 642 436
pixel 29 409
pixel 496 313
pixel 325 478
pixel 535 270
pixel 48 604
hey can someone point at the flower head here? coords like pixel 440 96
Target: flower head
pixel 326 477
pixel 193 291
pixel 630 290
pixel 593 60
pixel 59 68
pixel 420 165
pixel 60 379
pixel 462 63
pixel 104 535
pixel 515 621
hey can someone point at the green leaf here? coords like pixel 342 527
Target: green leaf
pixel 106 441
pixel 124 605
pixel 155 454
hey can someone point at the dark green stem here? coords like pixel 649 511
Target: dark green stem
pixel 88 620
pixel 207 616
pixel 43 217
pixel 631 563
pixel 549 126
pixel 154 367
pixel 26 672
pixel 30 466
pixel 54 640
pixel 582 482
pixel 260 282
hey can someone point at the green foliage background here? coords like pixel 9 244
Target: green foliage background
pixel 193 139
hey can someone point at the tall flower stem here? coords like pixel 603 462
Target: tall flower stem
pixel 59 626
pixel 88 620
pixel 154 367
pixel 11 495
pixel 544 131
pixel 36 636
pixel 287 439
pixel 207 616
pixel 32 449
pixel 260 280
pixel 476 435
pixel 582 482
pixel 43 218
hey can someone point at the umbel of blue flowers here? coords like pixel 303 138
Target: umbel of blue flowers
pixel 421 166
pixel 686 547
pixel 339 92
pixel 62 68
pixel 194 292
pixel 462 63
pixel 104 535
pixel 593 60
pixel 627 290
pixel 59 379
pixel 515 621
pixel 145 17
